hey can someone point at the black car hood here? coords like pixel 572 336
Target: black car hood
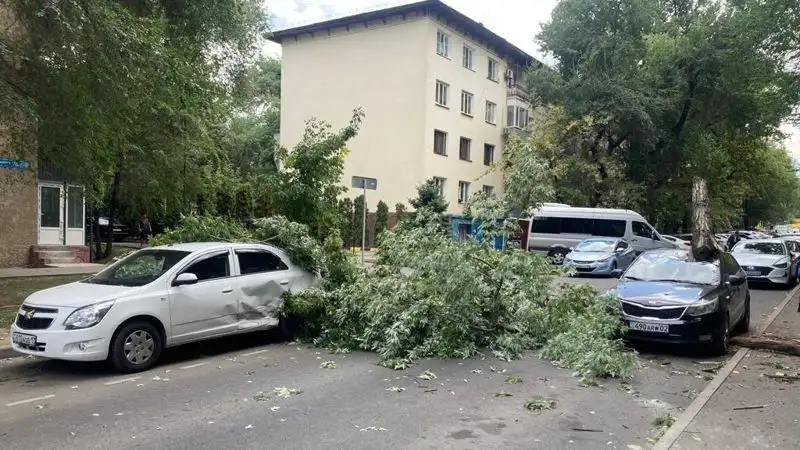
pixel 660 293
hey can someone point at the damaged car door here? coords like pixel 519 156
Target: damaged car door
pixel 264 278
pixel 204 298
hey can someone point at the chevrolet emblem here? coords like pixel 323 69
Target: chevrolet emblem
pixel 29 314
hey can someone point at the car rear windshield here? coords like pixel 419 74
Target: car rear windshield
pixel 657 267
pixel 140 268
pixel 759 248
pixel 595 246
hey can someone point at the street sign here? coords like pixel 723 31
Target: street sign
pixel 14 164
pixel 365 183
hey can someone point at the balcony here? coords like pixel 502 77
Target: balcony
pixel 519 92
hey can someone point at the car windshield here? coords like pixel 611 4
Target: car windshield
pixel 595 246
pixel 673 268
pixel 138 269
pixel 759 248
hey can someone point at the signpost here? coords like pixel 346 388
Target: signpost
pixel 364 183
pixel 14 164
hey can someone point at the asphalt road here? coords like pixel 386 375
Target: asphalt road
pixel 221 394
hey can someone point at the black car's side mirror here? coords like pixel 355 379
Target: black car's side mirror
pixel 616 273
pixel 736 280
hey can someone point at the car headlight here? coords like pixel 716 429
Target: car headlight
pixel 702 308
pixel 88 316
pixel 782 264
pixel 606 259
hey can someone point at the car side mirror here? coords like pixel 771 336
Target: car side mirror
pixel 185 279
pixel 616 273
pixel 736 280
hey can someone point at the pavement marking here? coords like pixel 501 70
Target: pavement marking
pixel 676 430
pixel 124 380
pixel 30 400
pixel 255 352
pixel 192 366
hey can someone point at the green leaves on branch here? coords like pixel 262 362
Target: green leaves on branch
pixel 429 295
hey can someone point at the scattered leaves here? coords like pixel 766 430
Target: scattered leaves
pixel 285 392
pixel 503 394
pixel 328 365
pixel 396 389
pixel 540 403
pixel 513 379
pixel 260 396
pixel 427 375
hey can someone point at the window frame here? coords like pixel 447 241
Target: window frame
pixel 487 147
pixel 237 252
pixel 467 103
pixel 488 190
pixel 463 191
pixel 204 257
pixel 439 182
pixel 468 57
pixel 492 74
pixel 647 228
pixel 436 132
pixel 444 89
pixel 514 117
pixel 461 141
pixel 490 115
pixel 442 44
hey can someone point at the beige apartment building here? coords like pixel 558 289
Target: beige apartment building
pixel 439 91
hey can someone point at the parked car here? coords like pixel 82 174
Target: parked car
pixel 600 256
pixel 679 243
pixel 793 244
pixel 668 297
pixel 555 229
pixel 119 231
pixel 156 298
pixel 767 260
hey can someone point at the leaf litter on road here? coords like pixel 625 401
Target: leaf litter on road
pixel 427 375
pixel 260 396
pixel 513 379
pixel 395 389
pixel 328 365
pixel 285 392
pixel 540 403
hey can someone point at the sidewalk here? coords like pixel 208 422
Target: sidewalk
pixel 64 269
pixel 753 408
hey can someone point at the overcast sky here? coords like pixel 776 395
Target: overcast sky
pixel 517 21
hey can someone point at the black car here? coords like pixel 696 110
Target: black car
pixel 668 297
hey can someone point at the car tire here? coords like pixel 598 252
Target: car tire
pixel 288 327
pixel 557 256
pixel 719 346
pixel 613 268
pixel 144 342
pixel 744 323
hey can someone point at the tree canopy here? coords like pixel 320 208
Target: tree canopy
pixel 651 94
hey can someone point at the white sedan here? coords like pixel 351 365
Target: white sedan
pixel 156 298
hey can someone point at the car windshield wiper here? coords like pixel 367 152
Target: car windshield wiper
pixel 635 279
pixel 681 281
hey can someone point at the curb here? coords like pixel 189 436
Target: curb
pixel 676 430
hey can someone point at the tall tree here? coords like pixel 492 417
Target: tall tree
pixel 675 90
pixel 381 218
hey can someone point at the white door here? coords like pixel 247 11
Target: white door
pixel 76 216
pixel 210 306
pixel 51 219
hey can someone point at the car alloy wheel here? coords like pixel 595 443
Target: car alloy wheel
pixel 558 257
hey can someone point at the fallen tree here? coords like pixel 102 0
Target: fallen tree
pixel 782 344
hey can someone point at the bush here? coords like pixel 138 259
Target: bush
pixel 429 295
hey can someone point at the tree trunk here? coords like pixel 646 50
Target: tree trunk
pixel 98 239
pixel 704 245
pixel 112 211
pixel 781 344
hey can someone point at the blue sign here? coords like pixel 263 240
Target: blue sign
pixel 16 164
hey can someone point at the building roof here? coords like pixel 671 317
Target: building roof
pixel 432 6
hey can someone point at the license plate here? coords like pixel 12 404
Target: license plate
pixel 753 273
pixel 23 339
pixel 649 327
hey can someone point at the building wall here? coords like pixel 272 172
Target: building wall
pixel 450 120
pixel 379 67
pixel 18 188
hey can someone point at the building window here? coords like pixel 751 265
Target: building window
pixel 464 149
pixel 488 190
pixel 517 117
pixel 488 154
pixel 467 57
pixel 492 75
pixel 440 142
pixel 463 191
pixel 491 110
pixel 442 93
pixel 442 44
pixel 439 183
pixel 466 103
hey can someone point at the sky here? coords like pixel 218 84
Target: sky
pixel 518 21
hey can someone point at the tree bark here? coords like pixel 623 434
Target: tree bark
pixel 704 244
pixel 782 344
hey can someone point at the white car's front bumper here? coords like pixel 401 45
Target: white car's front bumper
pixel 777 276
pixel 90 344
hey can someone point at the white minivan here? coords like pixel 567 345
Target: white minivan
pixel 554 229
